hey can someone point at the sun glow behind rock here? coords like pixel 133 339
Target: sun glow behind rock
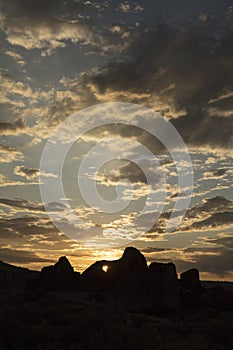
pixel 105 268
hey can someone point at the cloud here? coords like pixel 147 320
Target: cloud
pixel 16 56
pixel 131 171
pixel 34 233
pixel 211 205
pixel 149 250
pixel 29 173
pixel 17 96
pixel 216 259
pixel 215 220
pixel 223 241
pixel 12 128
pixel 124 7
pixel 213 174
pixel 7 183
pixel 25 226
pixel 22 204
pixel 176 73
pixel 213 213
pixel 169 70
pixel 9 154
pixel 33 207
pixel 45 25
pixel 27 220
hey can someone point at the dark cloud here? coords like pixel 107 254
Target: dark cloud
pixel 214 220
pixel 215 173
pixel 130 171
pixel 201 250
pixel 29 173
pixel 37 232
pixel 215 260
pixel 56 206
pixel 149 250
pixel 20 256
pixel 12 128
pixel 214 212
pixel 32 8
pixel 220 263
pixel 43 8
pixel 32 206
pixel 226 241
pixel 209 205
pixel 180 73
pixel 25 226
pixel 133 172
pixel 217 212
pixel 22 204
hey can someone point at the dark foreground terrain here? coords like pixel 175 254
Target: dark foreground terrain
pixel 36 314
pixel 70 321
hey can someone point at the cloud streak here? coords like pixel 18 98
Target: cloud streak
pixel 28 173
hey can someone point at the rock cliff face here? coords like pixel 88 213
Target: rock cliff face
pixel 132 261
pixel 190 280
pixel 164 286
pixel 119 273
pixel 60 276
pixel 129 278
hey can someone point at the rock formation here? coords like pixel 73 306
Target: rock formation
pixel 190 280
pixel 164 286
pixel 128 281
pixel 120 273
pixel 60 276
pixel 15 277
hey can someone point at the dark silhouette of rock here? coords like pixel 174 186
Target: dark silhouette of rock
pixel 94 277
pixel 133 261
pixel 163 268
pixel 164 286
pixel 15 277
pixel 191 289
pixel 120 273
pixel 60 276
pixel 130 280
pixel 62 267
pixel 190 280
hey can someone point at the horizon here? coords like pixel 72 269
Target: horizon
pixel 106 269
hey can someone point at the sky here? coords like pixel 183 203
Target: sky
pixel 60 57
